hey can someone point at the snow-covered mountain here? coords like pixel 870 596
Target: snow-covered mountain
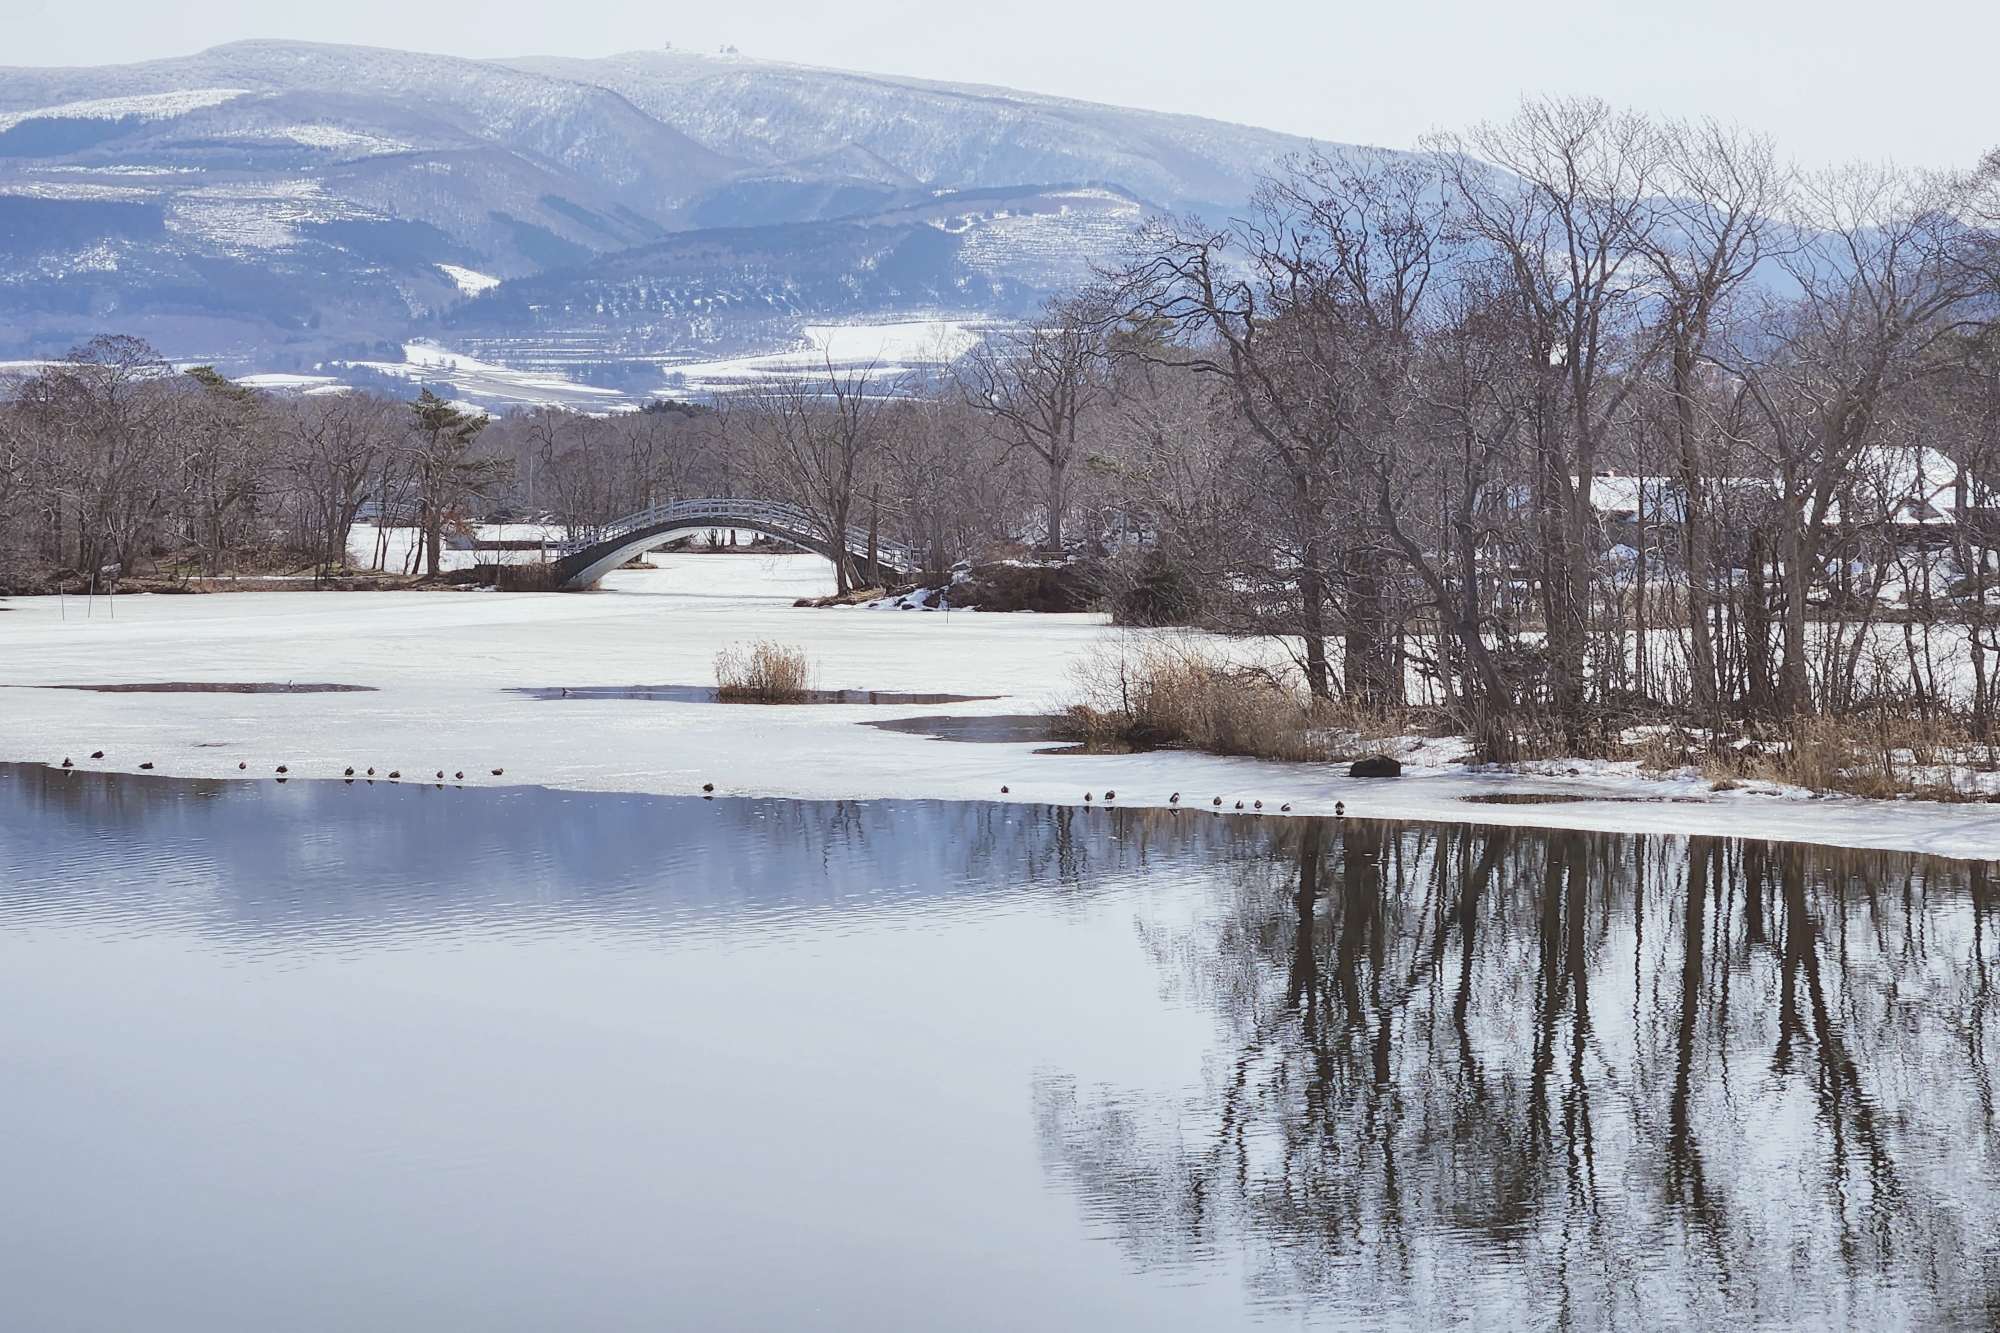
pixel 275 205
pixel 798 119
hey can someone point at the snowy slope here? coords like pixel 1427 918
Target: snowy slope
pixel 951 136
pixel 590 131
pixel 277 207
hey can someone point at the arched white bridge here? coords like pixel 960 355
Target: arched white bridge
pixel 595 552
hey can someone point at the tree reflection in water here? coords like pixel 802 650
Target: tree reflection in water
pixel 1519 1078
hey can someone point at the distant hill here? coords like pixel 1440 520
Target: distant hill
pixel 795 121
pixel 278 205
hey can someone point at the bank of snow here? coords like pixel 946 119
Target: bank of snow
pixel 442 665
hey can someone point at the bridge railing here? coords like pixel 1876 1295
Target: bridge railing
pixel 764 515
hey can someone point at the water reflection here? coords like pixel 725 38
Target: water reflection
pixel 265 865
pixel 518 1058
pixel 1537 1079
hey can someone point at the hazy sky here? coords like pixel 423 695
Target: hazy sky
pixel 1913 80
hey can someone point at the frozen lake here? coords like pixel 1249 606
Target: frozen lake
pixel 566 692
pixel 320 1056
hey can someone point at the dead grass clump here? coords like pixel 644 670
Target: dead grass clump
pixel 763 673
pixel 1173 692
pixel 1877 754
pixel 1835 755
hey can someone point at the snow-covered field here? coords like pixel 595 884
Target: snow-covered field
pixel 886 351
pixel 441 665
pixel 889 350
pixel 493 387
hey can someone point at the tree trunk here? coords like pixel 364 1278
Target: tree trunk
pixel 843 560
pixel 1642 670
pixel 1793 690
pixel 1694 505
pixel 1757 626
pixel 1312 626
pixel 875 537
pixel 1372 670
pixel 1055 502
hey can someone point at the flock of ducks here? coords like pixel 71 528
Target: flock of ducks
pixel 283 771
pixel 708 788
pixel 1339 807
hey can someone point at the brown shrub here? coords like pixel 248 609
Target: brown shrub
pixel 1006 586
pixel 764 673
pixel 1179 692
pixel 1877 754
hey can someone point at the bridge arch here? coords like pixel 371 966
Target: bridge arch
pixel 597 551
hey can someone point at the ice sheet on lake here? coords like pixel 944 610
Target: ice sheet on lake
pixel 443 663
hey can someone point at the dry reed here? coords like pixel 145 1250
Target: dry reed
pixel 1877 754
pixel 1178 692
pixel 765 672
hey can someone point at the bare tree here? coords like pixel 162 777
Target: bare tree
pixel 809 439
pixel 937 476
pixel 1882 287
pixel 1564 222
pixel 1304 311
pixel 334 447
pixel 100 477
pixel 1721 191
pixel 218 480
pixel 1039 382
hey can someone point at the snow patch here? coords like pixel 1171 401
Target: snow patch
pixel 484 384
pixel 470 282
pixel 330 138
pixel 286 382
pixel 256 215
pixel 892 349
pixel 142 106
pixel 77 190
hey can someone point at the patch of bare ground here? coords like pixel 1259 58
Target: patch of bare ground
pixel 338 581
pixel 260 568
pixel 1026 585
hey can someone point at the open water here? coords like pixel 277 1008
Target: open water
pixel 317 1056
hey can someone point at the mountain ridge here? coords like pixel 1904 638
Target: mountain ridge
pixel 273 206
pixel 1253 151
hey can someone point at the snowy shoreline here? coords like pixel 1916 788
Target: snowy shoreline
pixel 442 668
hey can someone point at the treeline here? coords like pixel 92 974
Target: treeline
pixel 1573 421
pixel 114 465
pixel 1579 420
